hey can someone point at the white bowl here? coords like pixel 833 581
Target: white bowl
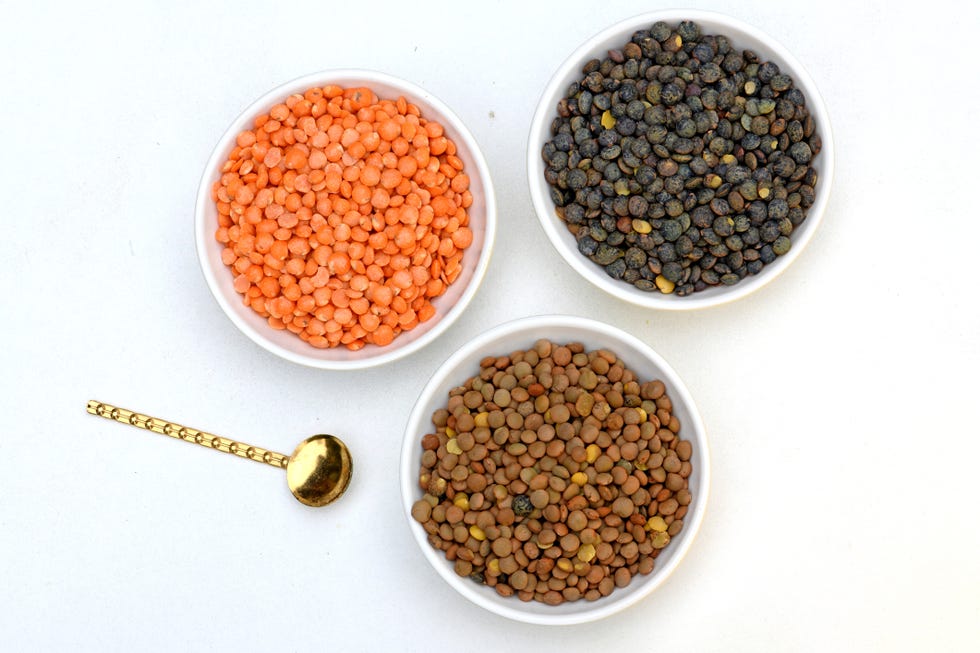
pixel 520 335
pixel 741 36
pixel 449 306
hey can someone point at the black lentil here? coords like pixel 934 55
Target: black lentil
pixel 521 505
pixel 705 147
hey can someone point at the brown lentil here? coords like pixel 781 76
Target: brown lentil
pixel 551 475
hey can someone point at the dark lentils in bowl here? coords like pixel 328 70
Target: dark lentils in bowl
pixel 681 163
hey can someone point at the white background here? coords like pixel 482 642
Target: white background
pixel 840 400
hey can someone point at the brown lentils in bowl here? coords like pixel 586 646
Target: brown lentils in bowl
pixel 554 474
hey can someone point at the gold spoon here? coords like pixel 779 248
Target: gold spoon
pixel 317 473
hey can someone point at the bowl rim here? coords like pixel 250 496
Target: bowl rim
pixel 413 92
pixel 719 295
pixel 419 416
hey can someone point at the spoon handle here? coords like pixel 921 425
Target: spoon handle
pixel 258 454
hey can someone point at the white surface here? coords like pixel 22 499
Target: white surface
pixel 840 400
pixel 520 335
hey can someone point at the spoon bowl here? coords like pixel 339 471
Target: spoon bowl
pixel 319 470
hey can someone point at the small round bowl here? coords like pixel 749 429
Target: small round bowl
pixel 449 306
pixel 742 36
pixel 522 334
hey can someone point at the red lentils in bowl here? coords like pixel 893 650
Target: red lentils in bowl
pixel 352 213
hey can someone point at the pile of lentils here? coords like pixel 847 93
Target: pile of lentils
pixel 554 474
pixel 681 163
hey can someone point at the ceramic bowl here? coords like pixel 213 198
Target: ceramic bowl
pixel 449 306
pixel 521 335
pixel 742 36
